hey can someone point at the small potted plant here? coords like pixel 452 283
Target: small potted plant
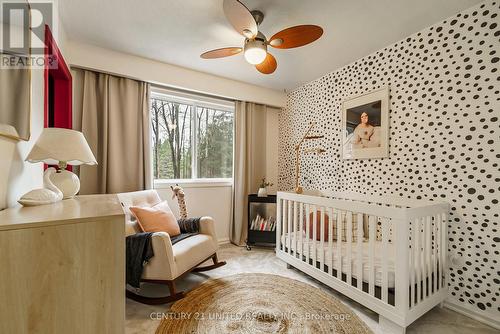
pixel 263 187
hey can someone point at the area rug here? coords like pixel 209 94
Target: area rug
pixel 259 303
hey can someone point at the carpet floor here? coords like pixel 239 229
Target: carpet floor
pixel 259 303
pixel 142 318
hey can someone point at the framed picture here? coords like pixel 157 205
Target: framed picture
pixel 365 125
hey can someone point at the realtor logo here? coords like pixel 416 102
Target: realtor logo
pixel 23 32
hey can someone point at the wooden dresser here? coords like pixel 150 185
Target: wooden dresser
pixel 62 267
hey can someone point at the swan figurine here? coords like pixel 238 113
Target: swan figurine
pixel 47 195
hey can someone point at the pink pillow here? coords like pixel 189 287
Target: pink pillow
pixel 158 218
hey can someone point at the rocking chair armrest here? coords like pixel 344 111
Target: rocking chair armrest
pixel 162 264
pixel 207 226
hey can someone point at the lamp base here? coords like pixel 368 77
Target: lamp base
pixel 67 182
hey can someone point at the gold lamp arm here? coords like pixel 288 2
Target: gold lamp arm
pixel 298 188
pixel 297 147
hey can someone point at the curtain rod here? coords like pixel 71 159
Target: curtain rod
pixel 160 85
pixel 186 91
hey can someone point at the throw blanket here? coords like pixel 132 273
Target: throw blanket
pixel 139 250
pixel 189 227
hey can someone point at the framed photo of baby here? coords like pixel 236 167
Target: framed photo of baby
pixel 365 125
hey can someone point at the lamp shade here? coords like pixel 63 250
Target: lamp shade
pixel 56 144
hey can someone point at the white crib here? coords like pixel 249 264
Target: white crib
pixel 395 264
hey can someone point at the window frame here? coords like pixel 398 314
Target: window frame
pixel 194 101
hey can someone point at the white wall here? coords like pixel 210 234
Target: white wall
pixel 17 176
pixel 92 57
pixel 204 199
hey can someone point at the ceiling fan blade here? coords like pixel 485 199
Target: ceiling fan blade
pixel 294 37
pixel 240 18
pixel 220 53
pixel 268 66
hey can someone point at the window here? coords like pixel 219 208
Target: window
pixel 192 136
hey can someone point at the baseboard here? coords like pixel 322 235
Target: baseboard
pixel 223 241
pixel 474 315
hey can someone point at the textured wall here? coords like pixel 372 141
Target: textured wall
pixel 444 138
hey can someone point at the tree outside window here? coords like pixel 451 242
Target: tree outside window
pixel 215 143
pixel 190 140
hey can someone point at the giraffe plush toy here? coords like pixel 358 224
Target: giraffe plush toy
pixel 179 193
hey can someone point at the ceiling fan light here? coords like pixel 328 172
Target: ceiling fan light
pixel 255 51
pixel 255 55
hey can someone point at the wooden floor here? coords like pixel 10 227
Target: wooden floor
pixel 440 321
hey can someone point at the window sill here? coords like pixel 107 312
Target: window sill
pixel 193 183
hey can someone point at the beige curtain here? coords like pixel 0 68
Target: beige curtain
pixel 113 114
pixel 249 162
pixel 15 113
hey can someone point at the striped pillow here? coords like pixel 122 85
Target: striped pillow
pixel 344 227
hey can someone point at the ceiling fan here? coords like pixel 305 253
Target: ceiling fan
pixel 254 49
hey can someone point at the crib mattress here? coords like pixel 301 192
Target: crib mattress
pixel 354 257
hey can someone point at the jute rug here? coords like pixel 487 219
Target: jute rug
pixel 259 303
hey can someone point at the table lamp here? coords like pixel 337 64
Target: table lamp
pixel 62 147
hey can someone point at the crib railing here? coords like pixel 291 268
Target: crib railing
pixel 389 256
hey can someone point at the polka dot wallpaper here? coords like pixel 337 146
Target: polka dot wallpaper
pixel 444 138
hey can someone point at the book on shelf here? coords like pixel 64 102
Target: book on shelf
pixel 262 224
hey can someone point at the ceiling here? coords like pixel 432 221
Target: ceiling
pixel 178 31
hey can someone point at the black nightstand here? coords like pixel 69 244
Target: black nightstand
pixel 261 221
